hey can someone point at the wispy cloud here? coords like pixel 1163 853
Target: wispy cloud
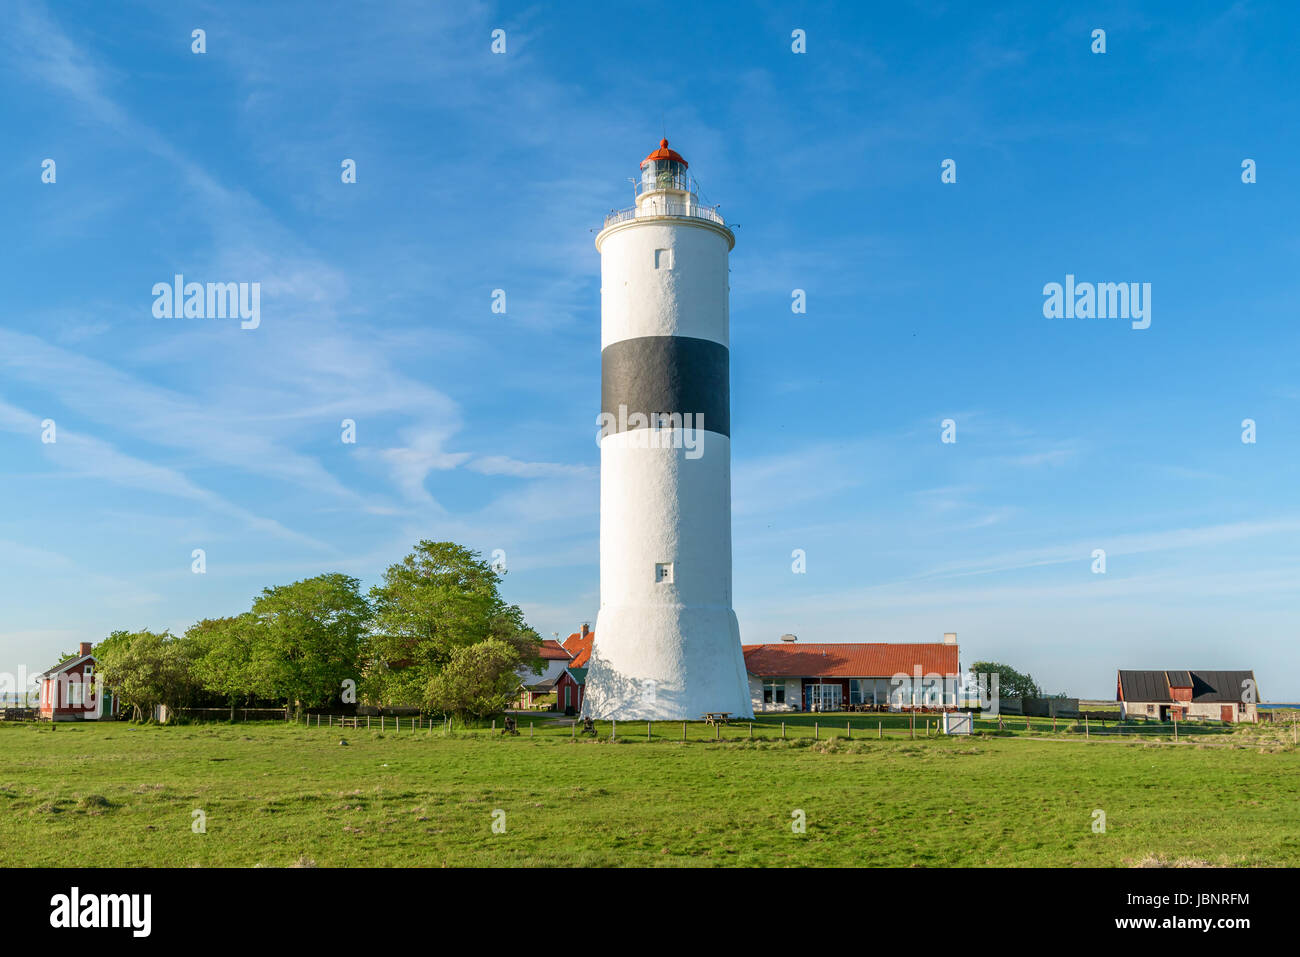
pixel 96 460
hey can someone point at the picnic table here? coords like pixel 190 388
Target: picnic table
pixel 717 717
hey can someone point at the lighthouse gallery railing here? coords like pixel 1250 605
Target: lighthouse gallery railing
pixel 691 210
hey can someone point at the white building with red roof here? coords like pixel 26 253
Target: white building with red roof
pixel 532 686
pixel 790 675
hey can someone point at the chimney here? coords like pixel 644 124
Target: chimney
pixel 950 637
pixel 85 647
pixel 586 628
pixel 789 638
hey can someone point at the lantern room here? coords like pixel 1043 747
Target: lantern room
pixel 664 170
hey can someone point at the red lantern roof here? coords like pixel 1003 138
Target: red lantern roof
pixel 664 153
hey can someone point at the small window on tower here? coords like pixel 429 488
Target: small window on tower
pixel 663 259
pixel 664 573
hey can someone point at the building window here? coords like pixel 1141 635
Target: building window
pixel 664 573
pixel 90 669
pixel 663 259
pixel 862 691
pixel 1151 709
pixel 75 694
pixel 773 691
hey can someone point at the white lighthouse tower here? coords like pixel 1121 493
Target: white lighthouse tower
pixel 667 643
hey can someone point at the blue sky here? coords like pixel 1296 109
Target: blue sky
pixel 478 171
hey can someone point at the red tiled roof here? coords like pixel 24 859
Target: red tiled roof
pixel 552 650
pixel 849 659
pixel 580 648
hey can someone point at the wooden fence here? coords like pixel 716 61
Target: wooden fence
pixel 240 714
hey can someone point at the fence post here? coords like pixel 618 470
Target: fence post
pixel 1053 724
pixel 1175 729
pixel 880 729
pixel 717 732
pixel 1086 732
pixel 751 731
pixel 367 722
pixel 647 730
pixel 814 730
pixel 494 724
pixel 613 729
pixel 848 731
pixel 574 729
pixel 683 731
pixel 782 730
pixel 530 729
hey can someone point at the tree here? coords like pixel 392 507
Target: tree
pixel 479 679
pixel 146 669
pixel 441 598
pixel 307 638
pixel 223 657
pixel 1011 683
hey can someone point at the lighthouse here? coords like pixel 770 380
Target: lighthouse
pixel 667 642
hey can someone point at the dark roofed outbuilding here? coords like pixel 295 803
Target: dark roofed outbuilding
pixel 1144 686
pixel 1219 695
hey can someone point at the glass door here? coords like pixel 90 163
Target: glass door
pixel 822 697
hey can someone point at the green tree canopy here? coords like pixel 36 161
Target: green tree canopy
pixel 479 679
pixel 147 668
pixel 439 599
pixel 307 638
pixel 223 658
pixel 1011 683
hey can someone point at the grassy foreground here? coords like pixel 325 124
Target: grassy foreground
pixel 279 795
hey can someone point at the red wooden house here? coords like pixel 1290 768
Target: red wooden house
pixel 572 686
pixel 70 691
pixel 569 690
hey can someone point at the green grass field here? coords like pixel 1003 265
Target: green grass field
pixel 281 795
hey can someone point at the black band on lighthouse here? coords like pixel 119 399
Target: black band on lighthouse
pixel 666 375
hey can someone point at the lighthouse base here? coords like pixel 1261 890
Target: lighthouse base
pixel 666 663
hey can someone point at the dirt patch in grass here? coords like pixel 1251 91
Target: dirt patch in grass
pixel 1156 860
